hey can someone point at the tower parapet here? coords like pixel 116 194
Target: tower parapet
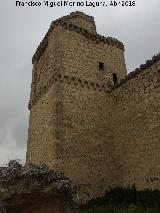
pixel 142 68
pixel 81 23
pixel 81 20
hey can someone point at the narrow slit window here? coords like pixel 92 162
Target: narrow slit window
pixel 115 78
pixel 101 66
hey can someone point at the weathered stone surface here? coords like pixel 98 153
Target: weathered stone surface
pixel 35 189
pixel 136 128
pixel 100 133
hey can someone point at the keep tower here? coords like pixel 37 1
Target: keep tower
pixel 70 126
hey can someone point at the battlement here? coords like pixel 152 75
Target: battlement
pixel 81 20
pixel 70 23
pixel 91 85
pixel 142 68
pixel 82 15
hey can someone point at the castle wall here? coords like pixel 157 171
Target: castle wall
pixel 85 131
pixel 136 118
pixel 41 146
pixel 86 142
pixel 82 56
pixel 71 115
pixel 49 60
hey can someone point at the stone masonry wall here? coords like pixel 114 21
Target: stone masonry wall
pixel 43 104
pixel 100 136
pixel 81 20
pixel 41 147
pixel 82 57
pixel 70 106
pixel 85 147
pixel 86 153
pixel 136 118
pixel 44 66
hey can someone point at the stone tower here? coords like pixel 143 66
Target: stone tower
pixel 70 126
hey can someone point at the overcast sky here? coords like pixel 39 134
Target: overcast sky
pixel 21 30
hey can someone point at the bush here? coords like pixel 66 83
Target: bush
pixel 128 200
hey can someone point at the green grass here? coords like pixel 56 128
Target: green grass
pixel 121 200
pixel 118 209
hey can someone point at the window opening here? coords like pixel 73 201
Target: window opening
pixel 115 78
pixel 101 66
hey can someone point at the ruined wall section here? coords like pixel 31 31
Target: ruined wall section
pixel 136 118
pixel 40 204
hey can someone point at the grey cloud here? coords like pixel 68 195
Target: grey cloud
pixel 19 131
